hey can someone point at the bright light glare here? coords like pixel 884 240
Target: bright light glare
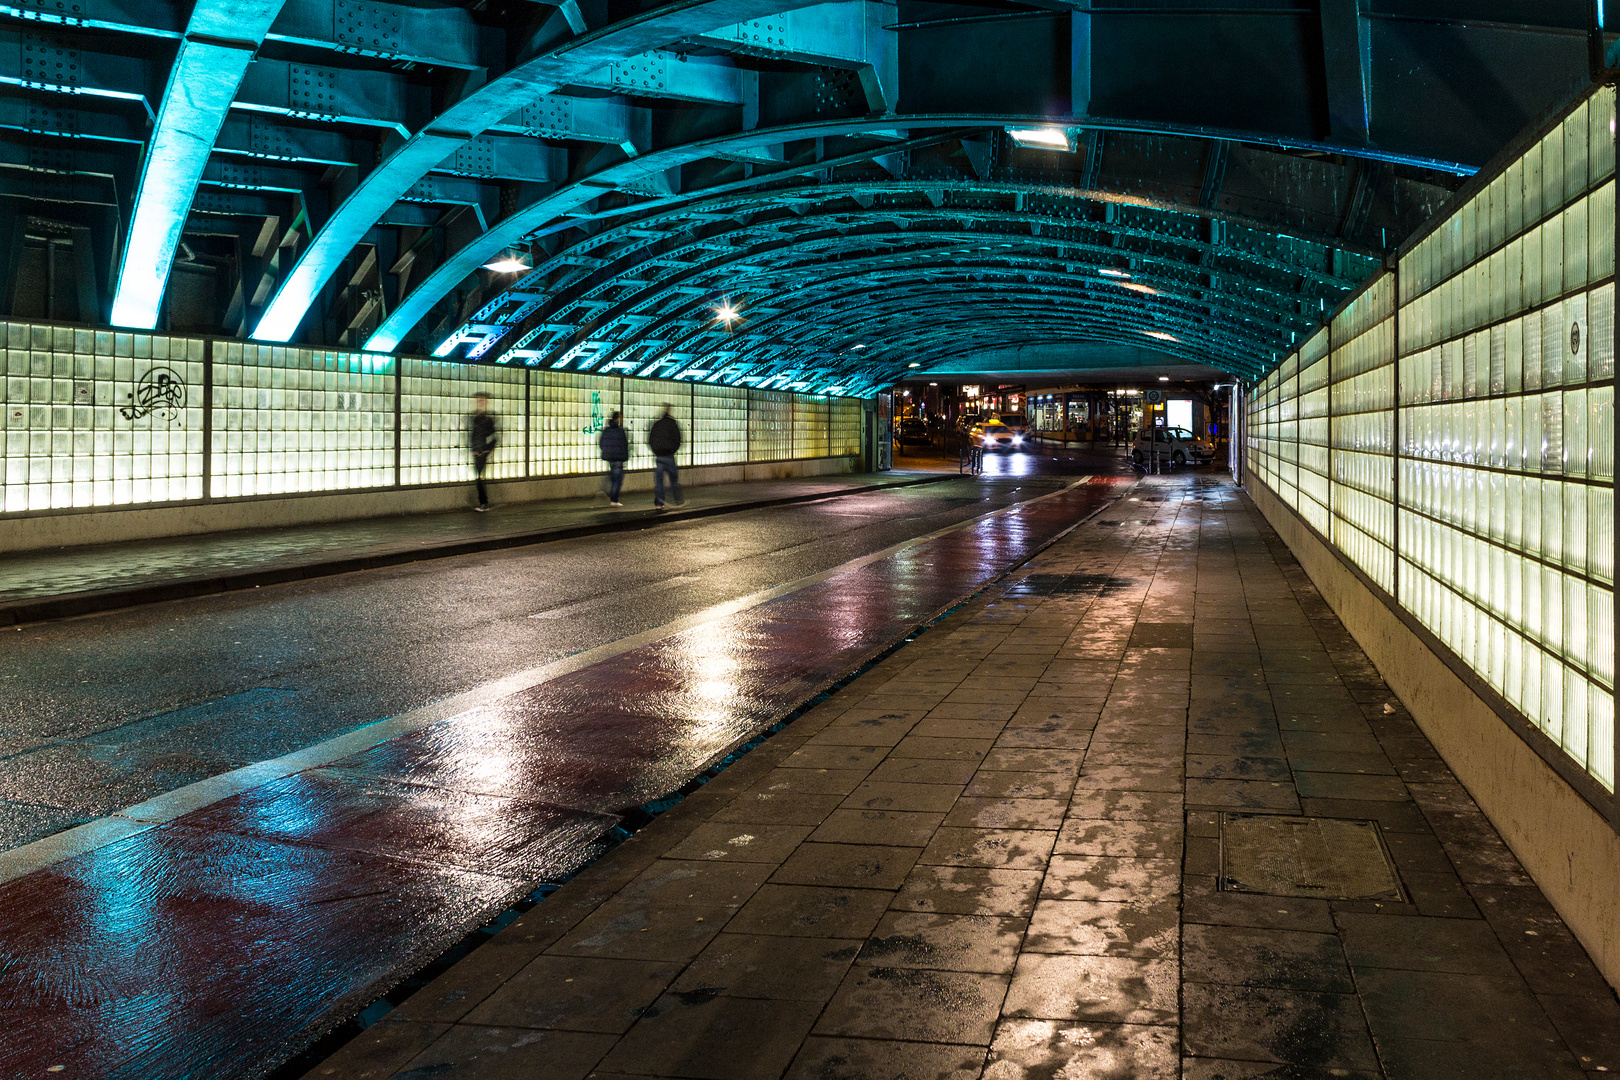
pixel 1043 138
pixel 1111 272
pixel 1161 335
pixel 725 313
pixel 1138 287
pixel 506 265
pixel 1164 378
pixel 913 365
pixel 857 346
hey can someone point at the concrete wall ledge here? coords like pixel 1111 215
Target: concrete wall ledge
pixel 56 529
pixel 1565 844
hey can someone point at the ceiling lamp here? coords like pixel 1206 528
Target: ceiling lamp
pixel 1161 335
pixel 509 262
pixel 1109 271
pixel 1043 138
pixel 725 313
pixel 1135 286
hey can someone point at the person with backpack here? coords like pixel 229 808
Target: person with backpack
pixel 664 439
pixel 481 440
pixel 615 447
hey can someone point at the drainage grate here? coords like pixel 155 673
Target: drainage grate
pixel 1330 858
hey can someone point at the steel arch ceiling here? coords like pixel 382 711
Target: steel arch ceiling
pixel 337 172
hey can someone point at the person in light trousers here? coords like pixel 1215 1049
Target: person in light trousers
pixel 664 439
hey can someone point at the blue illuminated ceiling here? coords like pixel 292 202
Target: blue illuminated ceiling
pixel 340 172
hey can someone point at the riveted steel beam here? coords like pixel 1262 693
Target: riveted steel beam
pixel 218 45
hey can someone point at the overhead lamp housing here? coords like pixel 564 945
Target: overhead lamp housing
pixel 1044 138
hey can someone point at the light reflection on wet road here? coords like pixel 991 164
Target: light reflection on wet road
pixel 216 944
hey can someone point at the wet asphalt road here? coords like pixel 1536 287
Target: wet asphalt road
pixel 99 713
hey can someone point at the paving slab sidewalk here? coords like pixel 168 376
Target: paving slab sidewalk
pixel 73 581
pixel 997 854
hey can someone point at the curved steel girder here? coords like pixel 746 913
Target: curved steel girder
pixel 475 113
pixel 512 229
pixel 220 41
pixel 906 306
pixel 851 231
pixel 1224 309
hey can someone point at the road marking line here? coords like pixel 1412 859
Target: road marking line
pixel 82 839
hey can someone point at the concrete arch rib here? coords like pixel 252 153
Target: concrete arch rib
pixel 477 112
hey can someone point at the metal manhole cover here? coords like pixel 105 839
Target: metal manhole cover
pixel 1330 858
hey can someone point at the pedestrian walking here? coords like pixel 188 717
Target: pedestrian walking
pixel 664 439
pixel 615 447
pixel 481 440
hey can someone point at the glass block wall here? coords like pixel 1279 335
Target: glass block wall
pixel 1471 432
pixel 95 419
pixel 1312 456
pixel 435 404
pixel 287 420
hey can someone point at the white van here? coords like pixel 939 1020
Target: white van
pixel 1176 446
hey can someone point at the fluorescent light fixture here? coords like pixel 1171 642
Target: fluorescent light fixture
pixel 1043 138
pixel 857 346
pixel 1164 378
pixel 913 364
pixel 1136 286
pixel 1161 335
pixel 1109 271
pixel 507 264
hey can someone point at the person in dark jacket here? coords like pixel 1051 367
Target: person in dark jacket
pixel 481 440
pixel 664 439
pixel 615 447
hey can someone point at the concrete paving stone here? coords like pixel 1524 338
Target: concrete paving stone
pixel 978 694
pixel 1456 1007
pixel 876 795
pixel 380 1051
pixel 1255 956
pixel 1342 742
pixel 900 698
pixel 811 781
pixel 623 931
pixel 1022 684
pixel 1226 1069
pixel 576 993
pixel 924 771
pixel 963 711
pixel 1106 989
pixel 1392 818
pixel 493 1053
pixel 1204 823
pixel 871 733
pixel 1477 852
pixel 1312 676
pixel 1101 877
pixel 945 942
pixel 1023 759
pixel 811 911
pixel 1590 1026
pixel 1286 1026
pixel 1105 928
pixel 1097 803
pixel 1130 778
pixel 862 1059
pixel 1120 838
pixel 769 966
pixel 913 746
pixel 865 866
pixel 775 808
pixel 1322 723
pixel 1424 1059
pixel 456 991
pixel 915 1004
pixel 1203 856
pixel 1169 737
pixel 941 728
pixel 969 890
pixel 1464 946
pixel 1130 754
pixel 1030 1049
pixel 989 813
pixel 1310 698
pixel 678 1035
pixel 1319 785
pixel 1541 947
pixel 1045 737
pixel 1210 767
pixel 1063 709
pixel 1012 849
pixel 697 882
pixel 735 843
pixel 895 827
pixel 1442 895
pixel 1020 785
pixel 836 757
pixel 1422 772
pixel 1231 724
pixel 1202 902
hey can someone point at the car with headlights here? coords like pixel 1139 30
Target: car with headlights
pixel 1017 422
pixel 911 430
pixel 1172 446
pixel 994 435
